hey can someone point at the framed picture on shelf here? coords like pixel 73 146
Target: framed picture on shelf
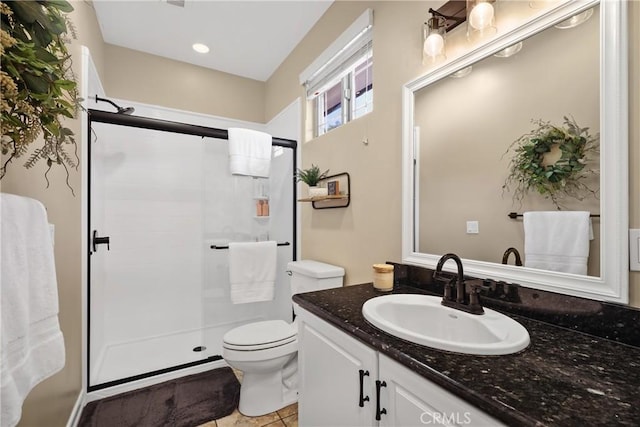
pixel 333 188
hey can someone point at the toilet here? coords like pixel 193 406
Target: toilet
pixel 266 352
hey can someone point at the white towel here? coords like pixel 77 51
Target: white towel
pixel 252 271
pixel 557 240
pixel 249 152
pixel 32 346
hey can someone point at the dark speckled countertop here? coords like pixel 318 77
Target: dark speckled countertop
pixel 564 377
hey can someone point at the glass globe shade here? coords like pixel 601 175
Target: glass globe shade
pixel 481 16
pixel 433 45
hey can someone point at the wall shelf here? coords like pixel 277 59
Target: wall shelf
pixel 320 198
pixel 341 200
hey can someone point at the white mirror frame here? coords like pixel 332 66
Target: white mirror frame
pixel 613 284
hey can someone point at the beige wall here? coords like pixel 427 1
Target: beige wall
pixel 50 403
pixel 152 79
pixel 369 230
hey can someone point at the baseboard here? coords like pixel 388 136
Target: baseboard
pixel 74 417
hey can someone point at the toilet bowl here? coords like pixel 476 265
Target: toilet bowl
pixel 266 352
pixel 261 350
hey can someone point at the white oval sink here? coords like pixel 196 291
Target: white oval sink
pixel 421 319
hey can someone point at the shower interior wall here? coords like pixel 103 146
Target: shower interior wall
pixel 164 199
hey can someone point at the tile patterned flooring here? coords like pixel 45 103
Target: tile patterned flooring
pixel 285 417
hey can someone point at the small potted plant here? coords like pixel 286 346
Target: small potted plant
pixel 311 177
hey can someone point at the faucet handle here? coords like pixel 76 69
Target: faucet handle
pixel 446 296
pixel 475 286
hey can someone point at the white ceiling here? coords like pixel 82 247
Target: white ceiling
pixel 247 38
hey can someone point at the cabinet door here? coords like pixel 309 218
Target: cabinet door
pixel 412 400
pixel 330 364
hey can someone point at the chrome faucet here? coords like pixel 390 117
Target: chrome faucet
pixel 461 302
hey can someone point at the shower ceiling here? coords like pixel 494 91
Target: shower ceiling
pixel 246 38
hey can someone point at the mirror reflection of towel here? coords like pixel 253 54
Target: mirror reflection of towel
pixel 557 240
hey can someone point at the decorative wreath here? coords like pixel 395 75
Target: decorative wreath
pixel 564 178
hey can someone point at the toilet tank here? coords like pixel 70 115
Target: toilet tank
pixel 308 275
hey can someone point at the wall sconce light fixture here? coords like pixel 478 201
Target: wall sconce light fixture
pixel 434 38
pixel 481 19
pixel 434 35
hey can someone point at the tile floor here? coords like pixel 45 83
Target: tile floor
pixel 285 417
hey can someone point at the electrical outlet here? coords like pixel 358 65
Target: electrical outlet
pixel 634 249
pixel 473 227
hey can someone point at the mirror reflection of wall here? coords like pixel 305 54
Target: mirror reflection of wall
pixel 467 124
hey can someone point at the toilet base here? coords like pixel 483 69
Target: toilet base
pixel 262 393
pixel 269 377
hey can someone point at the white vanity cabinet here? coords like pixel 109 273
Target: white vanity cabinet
pixel 411 400
pixel 336 375
pixel 331 364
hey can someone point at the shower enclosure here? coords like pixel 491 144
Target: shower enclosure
pixel 163 208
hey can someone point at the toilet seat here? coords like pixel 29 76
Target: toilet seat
pixel 260 336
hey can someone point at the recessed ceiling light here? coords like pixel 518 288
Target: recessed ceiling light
pixel 200 48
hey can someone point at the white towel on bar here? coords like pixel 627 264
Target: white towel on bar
pixel 252 271
pixel 557 240
pixel 32 344
pixel 249 152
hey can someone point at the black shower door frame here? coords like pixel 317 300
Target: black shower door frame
pixel 118 119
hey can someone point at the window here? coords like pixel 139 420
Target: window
pixel 328 109
pixel 363 88
pixel 339 84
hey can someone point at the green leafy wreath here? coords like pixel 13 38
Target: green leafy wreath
pixel 564 178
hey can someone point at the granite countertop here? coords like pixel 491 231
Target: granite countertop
pixel 563 377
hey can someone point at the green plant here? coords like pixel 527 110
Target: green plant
pixel 38 86
pixel 529 172
pixel 311 176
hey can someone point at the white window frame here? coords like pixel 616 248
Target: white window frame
pixel 335 65
pixel 369 60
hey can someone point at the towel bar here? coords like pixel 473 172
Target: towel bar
pixel 514 215
pixel 227 247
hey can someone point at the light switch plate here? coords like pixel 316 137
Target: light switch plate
pixel 634 249
pixel 473 227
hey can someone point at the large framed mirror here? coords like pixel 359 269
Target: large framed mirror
pixel 458 136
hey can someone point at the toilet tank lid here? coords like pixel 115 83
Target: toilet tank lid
pixel 316 269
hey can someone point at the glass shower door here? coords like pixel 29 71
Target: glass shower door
pixel 145 291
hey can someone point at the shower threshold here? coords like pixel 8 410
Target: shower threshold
pixel 123 362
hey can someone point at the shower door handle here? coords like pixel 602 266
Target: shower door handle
pixel 99 241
